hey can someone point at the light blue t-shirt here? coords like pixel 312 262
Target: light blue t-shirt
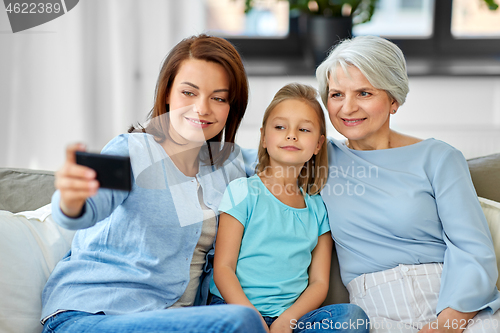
pixel 276 246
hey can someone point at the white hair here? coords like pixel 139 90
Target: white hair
pixel 379 60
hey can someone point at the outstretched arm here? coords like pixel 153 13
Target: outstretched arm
pixel 227 248
pixel 315 293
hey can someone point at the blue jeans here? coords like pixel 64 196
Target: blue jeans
pixel 196 319
pixel 346 318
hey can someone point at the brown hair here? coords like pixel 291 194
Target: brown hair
pixel 314 173
pixel 212 49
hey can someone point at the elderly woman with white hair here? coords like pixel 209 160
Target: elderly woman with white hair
pixel 414 247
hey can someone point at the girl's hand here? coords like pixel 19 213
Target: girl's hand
pixel 75 182
pixel 281 325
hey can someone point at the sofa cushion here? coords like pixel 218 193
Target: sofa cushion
pixel 25 190
pixel 31 244
pixel 485 173
pixel 491 210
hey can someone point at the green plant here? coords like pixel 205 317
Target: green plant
pixel 360 10
pixel 492 5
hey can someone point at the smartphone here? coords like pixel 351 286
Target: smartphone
pixel 112 171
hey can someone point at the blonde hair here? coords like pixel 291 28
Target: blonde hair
pixel 314 173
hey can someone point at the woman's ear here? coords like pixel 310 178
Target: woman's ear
pixel 321 141
pixel 394 106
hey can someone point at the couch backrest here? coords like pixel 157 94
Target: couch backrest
pixel 24 189
pixel 485 173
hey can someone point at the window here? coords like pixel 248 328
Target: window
pixel 431 33
pixel 473 19
pixel 400 18
pixel 456 38
pixel 269 18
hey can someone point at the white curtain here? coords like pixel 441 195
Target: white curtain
pixel 85 76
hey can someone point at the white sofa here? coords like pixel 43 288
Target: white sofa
pixel 31 244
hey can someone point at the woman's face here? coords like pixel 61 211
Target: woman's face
pixel 357 110
pixel 198 101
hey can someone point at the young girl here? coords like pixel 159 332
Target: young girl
pixel 138 261
pixel 274 246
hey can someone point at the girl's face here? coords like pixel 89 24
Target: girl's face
pixel 292 133
pixel 358 110
pixel 198 101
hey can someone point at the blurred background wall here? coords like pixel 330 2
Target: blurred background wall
pixel 91 73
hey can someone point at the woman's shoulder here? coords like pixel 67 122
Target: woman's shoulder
pixel 436 148
pixel 125 139
pixel 430 152
pixel 433 154
pixel 402 140
pixel 117 146
pixel 142 149
pixel 143 144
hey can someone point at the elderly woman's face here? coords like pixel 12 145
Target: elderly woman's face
pixel 358 110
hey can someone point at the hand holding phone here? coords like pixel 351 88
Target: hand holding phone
pixel 76 183
pixel 112 171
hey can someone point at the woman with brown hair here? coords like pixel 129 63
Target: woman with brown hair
pixel 140 259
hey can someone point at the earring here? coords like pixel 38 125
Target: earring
pixel 393 111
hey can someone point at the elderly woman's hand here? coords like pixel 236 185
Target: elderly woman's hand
pixel 449 320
